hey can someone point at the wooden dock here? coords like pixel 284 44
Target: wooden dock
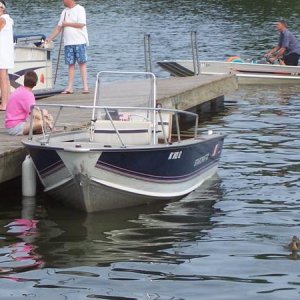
pixel 180 93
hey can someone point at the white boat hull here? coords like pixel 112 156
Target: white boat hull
pixel 32 54
pixel 35 59
pixel 247 73
pixel 102 180
pixel 126 156
pixel 94 194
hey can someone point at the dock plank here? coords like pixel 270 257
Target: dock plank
pixel 180 93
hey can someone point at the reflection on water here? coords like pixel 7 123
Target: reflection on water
pixel 67 238
pixel 20 255
pixel 48 236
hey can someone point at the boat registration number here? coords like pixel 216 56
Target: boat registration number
pixel 175 155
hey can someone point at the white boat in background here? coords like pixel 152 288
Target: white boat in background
pixel 246 72
pixel 126 155
pixel 31 53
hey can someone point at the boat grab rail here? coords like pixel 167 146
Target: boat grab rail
pixel 157 110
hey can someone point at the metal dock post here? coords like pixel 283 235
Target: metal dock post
pixel 195 53
pixel 147 52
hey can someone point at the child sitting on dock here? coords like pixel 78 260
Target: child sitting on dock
pixel 17 121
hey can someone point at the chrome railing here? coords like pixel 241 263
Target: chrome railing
pixel 145 112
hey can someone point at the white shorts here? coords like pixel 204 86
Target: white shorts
pixel 17 130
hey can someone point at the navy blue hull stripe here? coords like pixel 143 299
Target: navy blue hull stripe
pixel 46 161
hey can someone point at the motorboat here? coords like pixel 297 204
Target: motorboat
pixel 32 54
pixel 122 155
pixel 247 72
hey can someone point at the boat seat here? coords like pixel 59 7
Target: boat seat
pixel 131 132
pixel 166 120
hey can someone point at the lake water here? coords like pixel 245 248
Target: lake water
pixel 224 241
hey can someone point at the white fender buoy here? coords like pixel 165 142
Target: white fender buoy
pixel 28 178
pixel 28 207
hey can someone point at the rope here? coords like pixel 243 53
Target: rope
pixel 58 56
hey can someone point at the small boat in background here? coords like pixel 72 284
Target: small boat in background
pixel 32 54
pixel 252 72
pixel 127 154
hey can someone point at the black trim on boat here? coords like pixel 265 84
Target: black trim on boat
pixel 175 68
pixel 267 72
pixel 29 37
pixel 40 94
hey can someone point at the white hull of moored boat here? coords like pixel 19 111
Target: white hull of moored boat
pixel 32 55
pixel 125 156
pixel 93 194
pixel 100 180
pixel 103 190
pixel 35 59
pixel 247 73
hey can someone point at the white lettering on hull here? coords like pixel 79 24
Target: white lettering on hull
pixel 201 160
pixel 175 155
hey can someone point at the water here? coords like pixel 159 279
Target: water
pixel 116 30
pixel 224 241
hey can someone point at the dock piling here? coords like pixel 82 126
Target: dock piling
pixel 195 53
pixel 147 53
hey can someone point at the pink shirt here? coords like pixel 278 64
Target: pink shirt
pixel 18 106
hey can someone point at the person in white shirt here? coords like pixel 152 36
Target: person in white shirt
pixel 6 53
pixel 72 25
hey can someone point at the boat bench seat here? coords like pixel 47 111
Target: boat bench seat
pixel 163 127
pixel 131 132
